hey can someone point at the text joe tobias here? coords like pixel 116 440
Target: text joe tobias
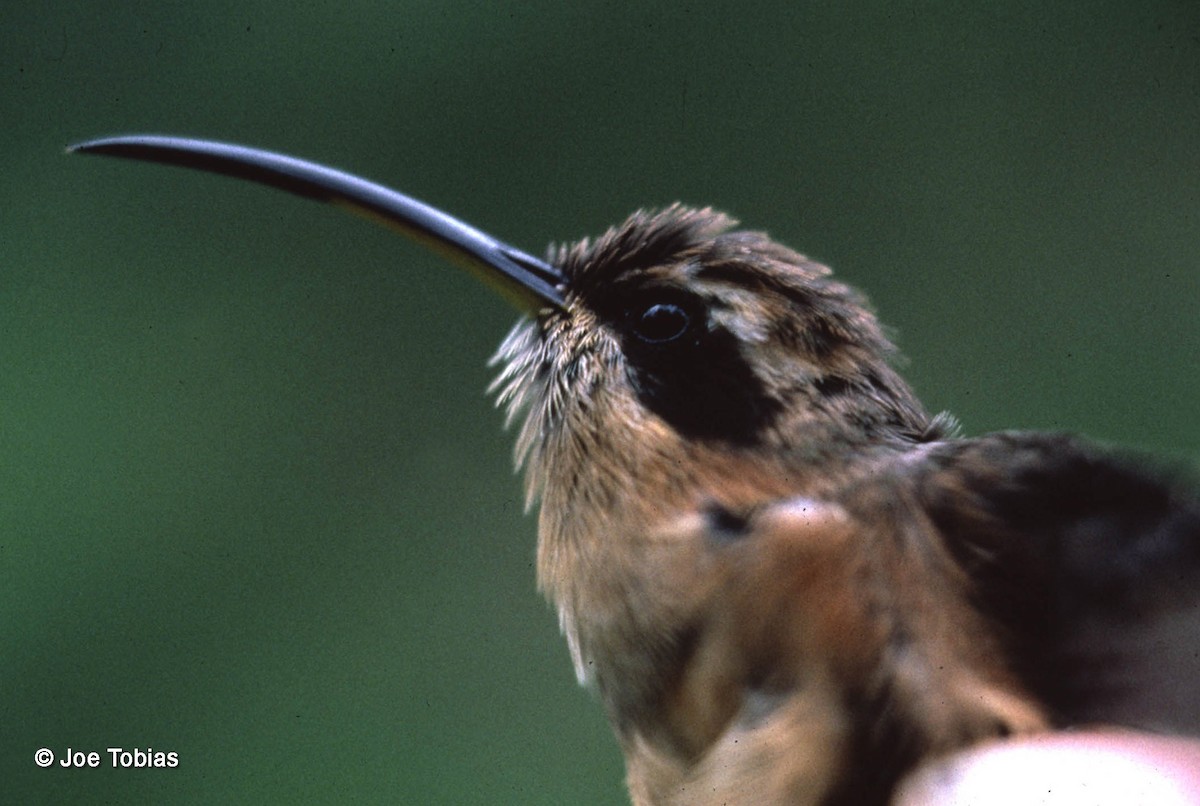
pixel 118 757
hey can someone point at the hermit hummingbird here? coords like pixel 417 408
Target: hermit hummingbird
pixel 785 581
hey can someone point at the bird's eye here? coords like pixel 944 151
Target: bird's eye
pixel 661 322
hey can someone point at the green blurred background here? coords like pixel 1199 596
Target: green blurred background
pixel 256 509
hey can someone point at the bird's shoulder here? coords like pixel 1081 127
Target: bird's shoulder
pixel 960 590
pixel 1078 564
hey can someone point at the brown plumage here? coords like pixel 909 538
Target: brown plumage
pixel 785 581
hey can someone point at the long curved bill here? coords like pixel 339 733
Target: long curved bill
pixel 530 283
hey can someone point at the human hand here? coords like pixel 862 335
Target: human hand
pixel 1096 768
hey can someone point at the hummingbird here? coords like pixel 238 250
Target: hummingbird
pixel 784 580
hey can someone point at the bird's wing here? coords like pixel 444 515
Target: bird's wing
pixel 969 590
pixel 833 650
pixel 1087 564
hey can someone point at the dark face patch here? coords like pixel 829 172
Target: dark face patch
pixel 697 379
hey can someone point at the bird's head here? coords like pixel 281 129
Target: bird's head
pixel 679 329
